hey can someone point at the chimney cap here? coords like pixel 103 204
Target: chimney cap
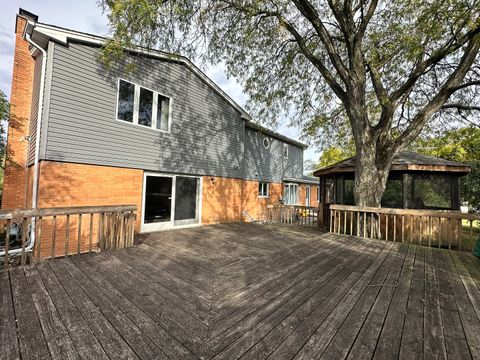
pixel 27 14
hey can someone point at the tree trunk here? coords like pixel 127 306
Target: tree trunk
pixel 370 176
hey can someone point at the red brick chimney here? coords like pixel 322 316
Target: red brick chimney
pixel 16 171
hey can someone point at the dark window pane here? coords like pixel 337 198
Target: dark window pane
pixel 393 194
pixel 163 112
pixel 329 190
pixel 348 198
pixel 158 199
pixel 185 198
pixel 126 95
pixel 432 192
pixel 145 107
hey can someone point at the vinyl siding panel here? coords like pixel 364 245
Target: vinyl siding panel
pixel 206 133
pixel 269 165
pixel 34 108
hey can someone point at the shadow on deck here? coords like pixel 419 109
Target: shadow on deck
pixel 245 290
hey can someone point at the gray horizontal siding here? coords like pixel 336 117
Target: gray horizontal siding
pixel 269 165
pixel 206 134
pixel 34 108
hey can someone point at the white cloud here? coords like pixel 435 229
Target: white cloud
pixel 86 16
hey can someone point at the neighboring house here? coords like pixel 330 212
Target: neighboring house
pixel 164 137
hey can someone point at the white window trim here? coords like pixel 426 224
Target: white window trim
pixel 308 195
pixel 268 190
pixel 294 185
pixel 136 102
pixel 285 147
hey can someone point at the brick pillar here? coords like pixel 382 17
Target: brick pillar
pixel 15 177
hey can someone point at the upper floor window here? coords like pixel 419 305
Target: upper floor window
pixel 285 151
pixel 262 189
pixel 142 106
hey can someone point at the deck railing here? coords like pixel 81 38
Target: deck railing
pixel 293 214
pixel 434 228
pixel 54 232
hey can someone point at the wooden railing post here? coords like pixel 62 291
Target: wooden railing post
pixel 7 244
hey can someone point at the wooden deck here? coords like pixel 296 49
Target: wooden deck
pixel 245 291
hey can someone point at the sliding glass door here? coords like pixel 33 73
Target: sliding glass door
pixel 158 199
pixel 170 200
pixel 186 200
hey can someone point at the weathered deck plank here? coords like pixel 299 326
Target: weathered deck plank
pixel 31 338
pixel 245 291
pixel 9 349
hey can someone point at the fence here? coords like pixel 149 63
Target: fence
pixel 54 232
pixel 299 215
pixel 435 228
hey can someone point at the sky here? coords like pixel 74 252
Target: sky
pixel 86 16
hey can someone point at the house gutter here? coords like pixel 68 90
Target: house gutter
pixel 31 242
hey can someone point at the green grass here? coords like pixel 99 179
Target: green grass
pixel 469 236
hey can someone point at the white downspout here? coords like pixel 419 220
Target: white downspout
pixel 31 242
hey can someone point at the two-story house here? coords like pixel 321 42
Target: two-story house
pixel 163 136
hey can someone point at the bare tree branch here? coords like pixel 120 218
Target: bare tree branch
pixel 461 107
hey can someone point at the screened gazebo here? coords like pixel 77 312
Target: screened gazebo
pixel 415 182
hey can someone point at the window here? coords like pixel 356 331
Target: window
pixel 126 96
pixel 308 191
pixel 266 143
pixel 432 192
pixel 290 194
pixel 285 151
pixel 263 189
pixel 163 112
pixel 145 107
pixel 318 193
pixel 348 197
pixel 393 194
pixel 329 190
pixel 141 106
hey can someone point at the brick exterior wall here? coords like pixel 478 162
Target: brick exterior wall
pixel 15 177
pixel 223 199
pixel 256 206
pixel 302 193
pixel 69 184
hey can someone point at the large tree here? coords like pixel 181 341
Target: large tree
pixel 378 71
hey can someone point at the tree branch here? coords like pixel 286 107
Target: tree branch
pixel 467 84
pixel 311 14
pixel 299 39
pixel 436 103
pixel 461 107
pixel 422 65
pixel 365 20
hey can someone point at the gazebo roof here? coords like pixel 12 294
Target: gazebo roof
pixel 404 161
